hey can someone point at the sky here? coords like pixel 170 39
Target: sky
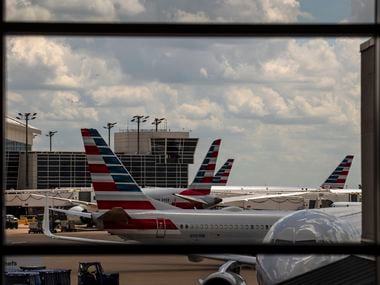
pixel 287 109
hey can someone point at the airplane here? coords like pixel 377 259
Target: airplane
pixel 197 195
pixel 126 211
pixel 233 194
pixel 305 227
pixel 334 183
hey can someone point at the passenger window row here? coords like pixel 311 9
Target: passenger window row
pixel 224 227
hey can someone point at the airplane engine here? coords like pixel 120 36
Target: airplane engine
pixel 306 227
pixel 228 274
pixel 79 220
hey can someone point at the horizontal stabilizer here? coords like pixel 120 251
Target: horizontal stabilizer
pixel 191 199
pixel 115 214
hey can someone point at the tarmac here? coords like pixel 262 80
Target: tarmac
pixel 133 269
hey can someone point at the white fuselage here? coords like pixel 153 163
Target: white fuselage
pixel 202 227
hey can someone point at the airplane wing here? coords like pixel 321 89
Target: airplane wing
pixel 48 233
pixel 346 191
pixel 243 259
pixel 257 197
pixel 74 201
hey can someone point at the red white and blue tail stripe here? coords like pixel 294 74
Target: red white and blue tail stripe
pixel 203 179
pixel 337 179
pixel 112 183
pixel 221 177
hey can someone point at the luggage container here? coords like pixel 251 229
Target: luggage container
pixel 22 278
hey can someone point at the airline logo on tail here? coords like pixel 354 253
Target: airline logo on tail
pixel 203 179
pixel 221 177
pixel 337 179
pixel 113 185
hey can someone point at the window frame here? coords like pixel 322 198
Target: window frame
pixel 179 30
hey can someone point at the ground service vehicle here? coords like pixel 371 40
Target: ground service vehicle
pixel 91 273
pixel 11 222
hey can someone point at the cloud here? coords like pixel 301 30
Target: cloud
pixel 203 72
pixel 132 96
pixel 183 16
pixel 156 10
pixel 283 11
pixel 71 10
pixel 291 101
pixel 362 11
pixel 58 64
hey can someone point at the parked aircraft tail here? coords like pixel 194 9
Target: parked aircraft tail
pixel 202 182
pixel 221 177
pixel 337 179
pixel 113 184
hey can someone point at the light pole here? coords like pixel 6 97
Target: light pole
pixel 27 117
pixel 109 127
pixel 139 119
pixel 156 122
pixel 50 134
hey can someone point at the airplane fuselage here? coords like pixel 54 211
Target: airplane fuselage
pixel 210 226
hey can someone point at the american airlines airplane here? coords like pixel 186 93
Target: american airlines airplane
pixel 197 195
pixel 305 227
pixel 334 184
pixel 126 211
pixel 335 181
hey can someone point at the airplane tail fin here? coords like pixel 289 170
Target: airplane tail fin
pixel 221 177
pixel 337 179
pixel 202 182
pixel 113 184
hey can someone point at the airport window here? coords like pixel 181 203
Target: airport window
pixel 164 180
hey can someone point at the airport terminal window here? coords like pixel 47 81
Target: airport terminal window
pixel 186 226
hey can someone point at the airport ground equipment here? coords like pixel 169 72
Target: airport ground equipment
pixel 11 222
pixel 91 273
pixel 67 226
pixel 21 277
pixel 36 226
pixel 38 276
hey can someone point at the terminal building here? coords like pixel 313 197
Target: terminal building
pixel 155 158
